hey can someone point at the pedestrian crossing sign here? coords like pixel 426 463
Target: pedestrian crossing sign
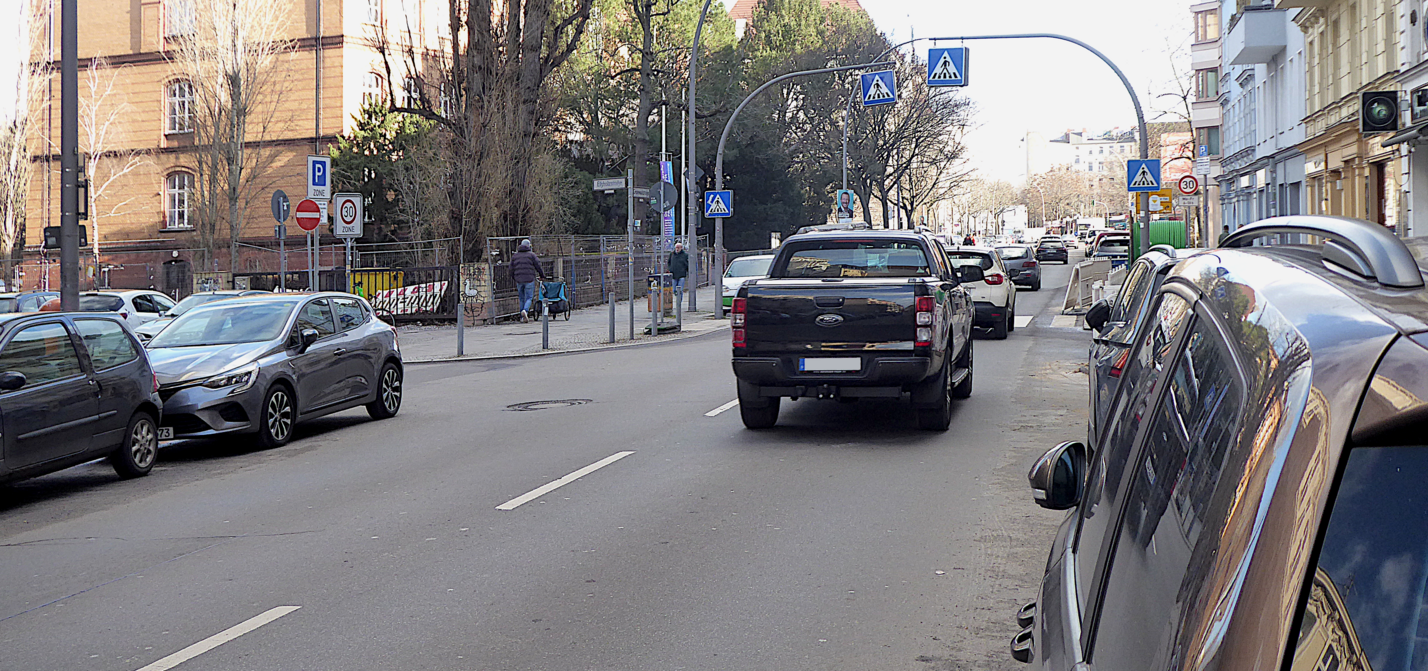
pixel 947 67
pixel 879 88
pixel 1143 176
pixel 718 204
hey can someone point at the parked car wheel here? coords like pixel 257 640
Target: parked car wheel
pixel 278 415
pixel 999 329
pixel 140 450
pixel 938 416
pixel 1036 286
pixel 1011 318
pixel 757 412
pixel 389 393
pixel 963 389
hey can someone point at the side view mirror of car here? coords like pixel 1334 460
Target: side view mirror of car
pixel 309 336
pixel 1098 315
pixel 11 380
pixel 970 274
pixel 1058 478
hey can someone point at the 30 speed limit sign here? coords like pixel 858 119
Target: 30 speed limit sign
pixel 1187 185
pixel 348 222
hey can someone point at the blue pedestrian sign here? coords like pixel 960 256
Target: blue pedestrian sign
pixel 1143 176
pixel 718 204
pixel 947 67
pixel 879 88
pixel 319 177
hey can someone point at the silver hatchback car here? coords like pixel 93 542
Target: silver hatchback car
pixel 260 364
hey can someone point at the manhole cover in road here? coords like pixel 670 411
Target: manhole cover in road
pixel 546 405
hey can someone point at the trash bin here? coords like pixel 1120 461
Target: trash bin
pixel 661 285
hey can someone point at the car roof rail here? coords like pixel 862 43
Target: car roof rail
pixel 1163 249
pixel 1363 247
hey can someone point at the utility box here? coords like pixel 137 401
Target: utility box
pixel 662 289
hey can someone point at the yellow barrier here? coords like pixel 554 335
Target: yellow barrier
pixel 374 280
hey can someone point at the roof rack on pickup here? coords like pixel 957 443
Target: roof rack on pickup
pixel 1360 246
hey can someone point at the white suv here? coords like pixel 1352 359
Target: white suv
pixel 994 298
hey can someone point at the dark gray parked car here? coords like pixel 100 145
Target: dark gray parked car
pixel 74 387
pixel 1256 500
pixel 260 364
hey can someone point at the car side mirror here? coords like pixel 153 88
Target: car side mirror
pixel 308 337
pixel 970 274
pixel 1098 315
pixel 11 380
pixel 1058 478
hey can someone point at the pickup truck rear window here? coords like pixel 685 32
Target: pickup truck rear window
pixel 853 258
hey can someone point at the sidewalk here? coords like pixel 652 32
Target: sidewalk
pixel 588 328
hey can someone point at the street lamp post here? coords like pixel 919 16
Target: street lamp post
pixel 692 214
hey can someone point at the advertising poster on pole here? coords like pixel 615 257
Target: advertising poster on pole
pixel 666 174
pixel 844 204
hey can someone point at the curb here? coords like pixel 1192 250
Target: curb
pixel 680 335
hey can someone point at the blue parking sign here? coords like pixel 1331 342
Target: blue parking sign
pixel 319 177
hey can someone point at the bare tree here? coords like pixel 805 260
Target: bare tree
pixel 16 143
pixel 101 111
pixel 228 59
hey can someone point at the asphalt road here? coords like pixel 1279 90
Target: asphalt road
pixel 842 539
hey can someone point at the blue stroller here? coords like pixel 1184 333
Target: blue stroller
pixel 553 299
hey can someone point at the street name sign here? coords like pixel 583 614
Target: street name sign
pixel 947 67
pixel 308 214
pixel 718 204
pixel 319 177
pixel 609 184
pixel 1143 175
pixel 879 88
pixel 349 215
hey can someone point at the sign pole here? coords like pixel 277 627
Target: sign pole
pixel 630 242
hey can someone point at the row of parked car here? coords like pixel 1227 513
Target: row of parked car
pixel 75 386
pixel 1249 492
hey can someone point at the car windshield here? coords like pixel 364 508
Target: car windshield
pixel 192 302
pixel 1052 243
pixel 100 303
pixel 1012 252
pixel 225 325
pixel 748 267
pixel 968 258
pixel 854 258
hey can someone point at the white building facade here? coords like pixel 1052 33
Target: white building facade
pixel 1205 112
pixel 1262 101
pixel 1411 141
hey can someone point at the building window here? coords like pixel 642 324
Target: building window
pixel 178 200
pixel 1209 138
pixel 371 88
pixel 1207 84
pixel 374 11
pixel 180 107
pixel 1207 26
pixel 411 93
pixel 179 18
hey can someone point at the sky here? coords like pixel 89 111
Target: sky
pixel 1043 85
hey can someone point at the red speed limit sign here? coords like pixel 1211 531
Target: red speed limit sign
pixel 1187 185
pixel 348 222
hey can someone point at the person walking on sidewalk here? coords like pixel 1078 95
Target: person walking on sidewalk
pixel 525 270
pixel 679 266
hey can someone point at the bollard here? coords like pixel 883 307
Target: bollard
pixel 544 325
pixel 679 309
pixel 460 325
pixel 656 305
pixel 612 316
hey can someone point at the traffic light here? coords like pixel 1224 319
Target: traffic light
pixel 1378 112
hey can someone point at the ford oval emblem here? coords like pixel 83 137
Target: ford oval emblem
pixel 828 320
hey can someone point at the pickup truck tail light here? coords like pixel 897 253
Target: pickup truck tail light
pixel 995 279
pixel 737 316
pixel 926 305
pixel 1120 365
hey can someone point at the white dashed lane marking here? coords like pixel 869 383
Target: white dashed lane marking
pixel 722 408
pixel 557 484
pixel 219 639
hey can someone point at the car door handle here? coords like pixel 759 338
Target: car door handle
pixel 98 390
pixel 339 351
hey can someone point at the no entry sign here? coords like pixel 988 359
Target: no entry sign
pixel 308 214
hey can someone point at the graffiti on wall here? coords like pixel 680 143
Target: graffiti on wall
pixel 410 300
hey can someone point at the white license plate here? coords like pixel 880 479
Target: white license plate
pixel 166 433
pixel 831 365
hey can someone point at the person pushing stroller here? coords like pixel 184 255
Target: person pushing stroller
pixel 525 270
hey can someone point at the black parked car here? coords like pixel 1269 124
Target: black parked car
pixel 1256 499
pixel 74 387
pixel 1052 249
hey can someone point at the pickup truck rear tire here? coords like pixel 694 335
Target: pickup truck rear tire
pixel 758 412
pixel 963 389
pixel 938 416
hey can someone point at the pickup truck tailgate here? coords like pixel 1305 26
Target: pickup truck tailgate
pixel 787 316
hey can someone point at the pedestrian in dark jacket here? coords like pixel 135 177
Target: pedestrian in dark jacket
pixel 679 266
pixel 525 270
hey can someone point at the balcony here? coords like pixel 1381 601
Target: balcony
pixel 1257 36
pixel 1302 4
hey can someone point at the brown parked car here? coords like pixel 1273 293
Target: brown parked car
pixel 1256 499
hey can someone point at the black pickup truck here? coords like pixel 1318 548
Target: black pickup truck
pixel 855 314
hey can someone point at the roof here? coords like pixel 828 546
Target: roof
pixel 744 9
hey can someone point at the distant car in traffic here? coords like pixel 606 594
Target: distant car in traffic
pixel 741 270
pixel 74 387
pixel 1114 248
pixel 1052 249
pixel 1021 264
pixel 261 364
pixel 151 328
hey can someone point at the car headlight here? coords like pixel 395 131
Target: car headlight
pixel 239 379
